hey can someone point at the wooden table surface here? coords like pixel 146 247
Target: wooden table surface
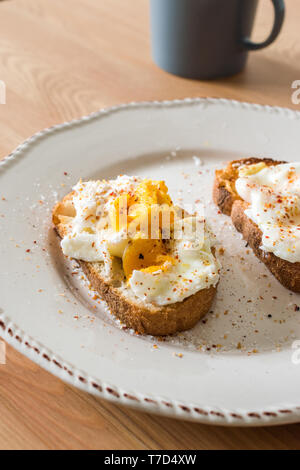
pixel 60 60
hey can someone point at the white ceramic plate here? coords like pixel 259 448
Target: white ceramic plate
pixel 236 367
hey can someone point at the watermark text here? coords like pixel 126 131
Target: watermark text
pixel 296 93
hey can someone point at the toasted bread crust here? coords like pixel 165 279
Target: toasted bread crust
pixel 155 321
pixel 152 320
pixel 288 274
pixel 229 202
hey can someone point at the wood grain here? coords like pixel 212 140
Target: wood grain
pixel 61 60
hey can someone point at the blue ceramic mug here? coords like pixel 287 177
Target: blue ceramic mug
pixel 206 39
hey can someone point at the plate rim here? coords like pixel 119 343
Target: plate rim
pixel 280 414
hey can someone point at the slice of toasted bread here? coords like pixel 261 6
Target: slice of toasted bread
pixel 230 203
pixel 144 318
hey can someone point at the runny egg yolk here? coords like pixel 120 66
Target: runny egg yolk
pixel 149 201
pixel 147 212
pixel 144 254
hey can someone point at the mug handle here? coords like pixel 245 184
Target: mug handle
pixel 279 9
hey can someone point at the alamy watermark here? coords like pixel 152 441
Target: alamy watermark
pixel 2 92
pixel 2 352
pixel 157 221
pixel 296 94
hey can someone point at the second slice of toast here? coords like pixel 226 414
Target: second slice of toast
pixel 230 203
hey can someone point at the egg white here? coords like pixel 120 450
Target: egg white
pixel 274 205
pixel 94 240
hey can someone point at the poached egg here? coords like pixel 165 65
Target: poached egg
pixel 165 253
pixel 273 195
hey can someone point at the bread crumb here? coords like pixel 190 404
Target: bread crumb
pixel 180 355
